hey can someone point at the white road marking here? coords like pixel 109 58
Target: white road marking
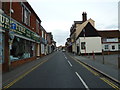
pixel 70 63
pixel 82 81
pixel 65 57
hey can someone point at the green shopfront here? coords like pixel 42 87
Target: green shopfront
pixel 22 42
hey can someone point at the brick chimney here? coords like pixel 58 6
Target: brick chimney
pixel 84 16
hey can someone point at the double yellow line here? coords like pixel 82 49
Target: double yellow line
pixel 110 83
pixel 97 74
pixel 23 75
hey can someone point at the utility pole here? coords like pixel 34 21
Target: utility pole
pixel 119 59
pixel 119 53
pixel 10 41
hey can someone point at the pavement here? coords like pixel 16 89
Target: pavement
pixel 111 60
pixel 106 69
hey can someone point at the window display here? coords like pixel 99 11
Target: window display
pixel 21 49
pixel 1 47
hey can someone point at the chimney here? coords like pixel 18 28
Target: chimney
pixel 84 16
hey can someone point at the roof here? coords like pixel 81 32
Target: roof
pixel 89 31
pixel 81 27
pixel 109 33
pixel 78 22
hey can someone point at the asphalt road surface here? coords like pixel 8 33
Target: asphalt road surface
pixel 62 71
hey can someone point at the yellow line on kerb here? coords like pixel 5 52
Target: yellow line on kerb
pixel 104 79
pixel 110 83
pixel 86 67
pixel 23 75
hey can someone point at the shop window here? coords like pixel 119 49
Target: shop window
pixel 1 47
pixel 21 49
pixel 83 45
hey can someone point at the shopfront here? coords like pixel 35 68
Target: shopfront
pixel 22 42
pixel 21 48
pixel 1 46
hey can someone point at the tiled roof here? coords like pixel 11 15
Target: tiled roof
pixel 109 33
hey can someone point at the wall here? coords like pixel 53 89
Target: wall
pixel 110 47
pixel 92 44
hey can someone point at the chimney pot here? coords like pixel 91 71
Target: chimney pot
pixel 84 16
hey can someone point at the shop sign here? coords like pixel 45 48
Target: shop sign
pixel 16 27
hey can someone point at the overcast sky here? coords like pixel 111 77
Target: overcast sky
pixel 58 15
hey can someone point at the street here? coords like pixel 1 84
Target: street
pixel 61 71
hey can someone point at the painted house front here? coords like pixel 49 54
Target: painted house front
pixel 110 41
pixel 88 40
pixel 89 45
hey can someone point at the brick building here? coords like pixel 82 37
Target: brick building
pixel 23 38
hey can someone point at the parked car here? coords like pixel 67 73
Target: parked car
pixel 63 50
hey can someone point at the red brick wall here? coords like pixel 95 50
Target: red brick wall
pixel 33 22
pixel 20 62
pixel 17 15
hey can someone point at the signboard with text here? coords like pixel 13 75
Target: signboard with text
pixel 18 28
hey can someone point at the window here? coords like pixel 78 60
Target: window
pixel 42 34
pixel 113 47
pixel 25 15
pixel 119 47
pixel 37 26
pixel 45 36
pixel 82 45
pixel 106 46
pixel 1 48
pixel 21 49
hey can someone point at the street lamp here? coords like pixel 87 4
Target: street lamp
pixel 9 61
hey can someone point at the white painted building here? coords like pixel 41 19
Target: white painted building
pixel 110 41
pixel 111 44
pixel 89 45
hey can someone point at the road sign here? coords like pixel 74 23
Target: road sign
pixel 13 26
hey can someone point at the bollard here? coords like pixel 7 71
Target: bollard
pixel 119 61
pixel 93 55
pixel 103 56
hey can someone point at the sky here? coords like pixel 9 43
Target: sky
pixel 57 16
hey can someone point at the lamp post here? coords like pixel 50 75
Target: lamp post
pixel 118 54
pixel 10 41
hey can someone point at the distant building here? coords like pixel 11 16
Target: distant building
pixel 110 41
pixel 84 37
pixel 51 43
pixel 22 38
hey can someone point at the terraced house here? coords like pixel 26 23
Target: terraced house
pixel 22 38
